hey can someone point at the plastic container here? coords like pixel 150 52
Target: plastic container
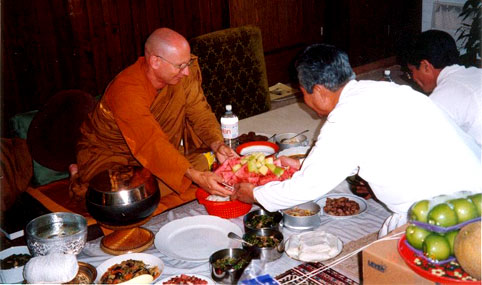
pixel 229 127
pixel 226 210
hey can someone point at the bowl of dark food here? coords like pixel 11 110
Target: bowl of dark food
pixel 123 195
pixel 266 244
pixel 287 140
pixel 13 260
pixel 228 264
pixel 56 232
pixel 302 217
pixel 251 137
pixel 342 206
pixel 262 219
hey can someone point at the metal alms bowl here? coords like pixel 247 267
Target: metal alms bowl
pixel 302 222
pixel 56 232
pixel 267 254
pixel 300 140
pixel 230 275
pixel 277 217
pixel 122 196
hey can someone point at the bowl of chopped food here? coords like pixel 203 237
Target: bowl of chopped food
pixel 342 206
pixel 266 244
pixel 135 268
pixel 302 217
pixel 262 219
pixel 228 264
pixel 13 260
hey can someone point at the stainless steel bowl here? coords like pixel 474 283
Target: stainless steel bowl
pixel 125 201
pixel 230 275
pixel 266 253
pixel 303 222
pixel 277 217
pixel 300 140
pixel 56 232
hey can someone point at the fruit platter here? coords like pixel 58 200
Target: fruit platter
pixel 443 237
pixel 255 168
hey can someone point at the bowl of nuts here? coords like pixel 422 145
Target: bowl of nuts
pixel 342 206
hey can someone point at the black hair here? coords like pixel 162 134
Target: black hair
pixel 437 47
pixel 325 65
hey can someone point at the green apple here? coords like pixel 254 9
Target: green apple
pixel 464 209
pixel 436 247
pixel 476 199
pixel 416 235
pixel 450 236
pixel 419 211
pixel 442 215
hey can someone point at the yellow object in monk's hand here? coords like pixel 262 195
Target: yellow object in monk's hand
pixel 211 158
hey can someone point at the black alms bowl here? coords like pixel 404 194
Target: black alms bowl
pixel 128 199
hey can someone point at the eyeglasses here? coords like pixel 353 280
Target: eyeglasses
pixel 181 66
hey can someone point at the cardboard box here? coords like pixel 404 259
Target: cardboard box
pixel 382 264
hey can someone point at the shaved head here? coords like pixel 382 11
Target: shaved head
pixel 166 42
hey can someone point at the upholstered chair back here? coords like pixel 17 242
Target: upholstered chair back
pixel 233 70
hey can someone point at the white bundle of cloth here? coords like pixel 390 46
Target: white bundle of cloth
pixel 54 268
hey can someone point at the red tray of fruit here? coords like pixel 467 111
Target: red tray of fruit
pixel 449 272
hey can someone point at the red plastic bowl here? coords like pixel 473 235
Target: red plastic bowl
pixel 226 210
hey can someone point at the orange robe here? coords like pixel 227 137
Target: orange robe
pixel 135 124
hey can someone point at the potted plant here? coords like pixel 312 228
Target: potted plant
pixel 470 32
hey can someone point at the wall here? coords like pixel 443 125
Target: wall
pixel 51 45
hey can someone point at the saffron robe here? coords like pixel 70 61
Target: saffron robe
pixel 135 124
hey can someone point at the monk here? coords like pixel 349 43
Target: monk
pixel 145 113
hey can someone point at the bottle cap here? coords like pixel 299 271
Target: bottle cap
pixel 386 72
pixel 229 108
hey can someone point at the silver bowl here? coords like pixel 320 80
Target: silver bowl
pixel 56 232
pixel 300 140
pixel 131 200
pixel 303 222
pixel 277 217
pixel 228 275
pixel 265 253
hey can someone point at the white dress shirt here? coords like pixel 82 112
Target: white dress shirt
pixel 407 150
pixel 459 93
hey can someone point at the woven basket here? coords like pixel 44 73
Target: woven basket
pixel 226 210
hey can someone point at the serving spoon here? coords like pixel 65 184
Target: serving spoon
pixel 287 139
pixel 234 236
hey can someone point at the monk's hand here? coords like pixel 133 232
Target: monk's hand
pixel 291 162
pixel 244 193
pixel 223 152
pixel 209 181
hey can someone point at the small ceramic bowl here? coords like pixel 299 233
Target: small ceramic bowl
pixel 12 275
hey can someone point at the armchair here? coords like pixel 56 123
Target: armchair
pixel 233 70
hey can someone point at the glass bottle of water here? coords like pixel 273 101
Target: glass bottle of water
pixel 229 127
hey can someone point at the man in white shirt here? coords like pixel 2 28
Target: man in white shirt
pixel 407 149
pixel 457 90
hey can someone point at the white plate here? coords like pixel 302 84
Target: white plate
pixel 361 202
pixel 294 151
pixel 209 280
pixel 196 238
pixel 14 275
pixel 291 243
pixel 148 259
